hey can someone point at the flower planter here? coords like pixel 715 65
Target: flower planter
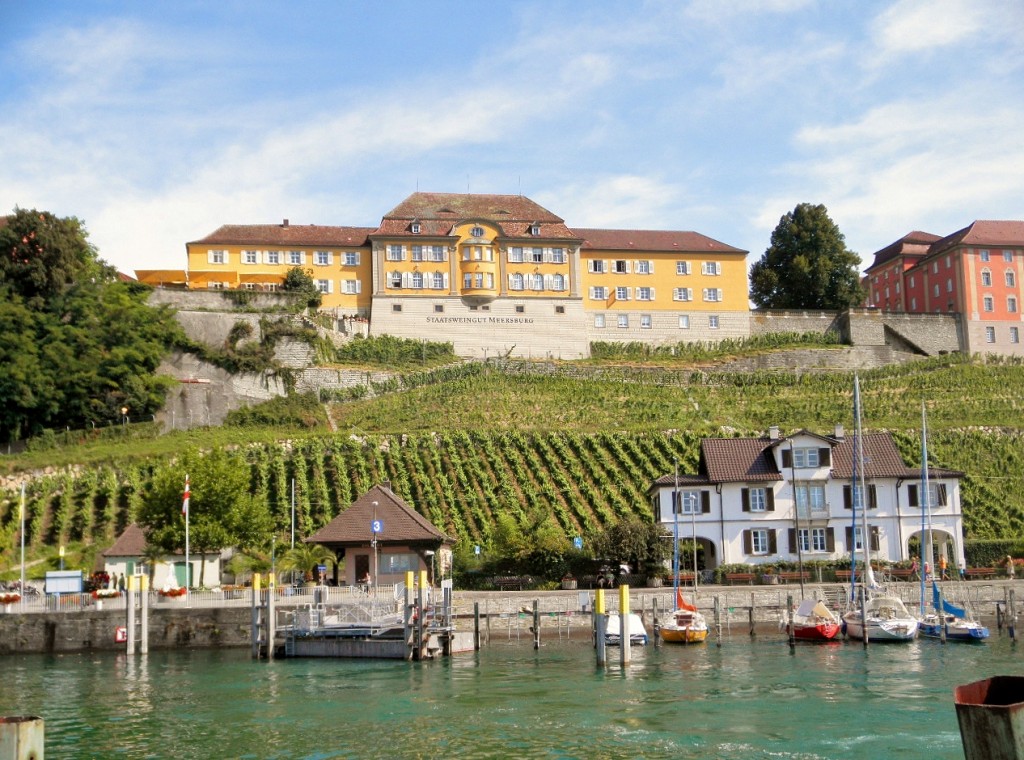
pixel 654 582
pixel 99 604
pixel 569 584
pixel 770 580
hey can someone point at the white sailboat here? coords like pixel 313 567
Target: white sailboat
pixel 878 615
pixel 684 624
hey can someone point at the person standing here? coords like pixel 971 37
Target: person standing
pixel 1011 572
pixel 942 567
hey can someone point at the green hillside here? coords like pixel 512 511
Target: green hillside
pixel 484 442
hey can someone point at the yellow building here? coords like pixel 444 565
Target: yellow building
pixel 493 274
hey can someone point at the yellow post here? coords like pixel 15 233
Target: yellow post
pixel 623 600
pixel 131 582
pixel 600 626
pixel 599 601
pixel 144 582
pixel 624 632
pixel 409 578
pixel 255 582
pixel 423 578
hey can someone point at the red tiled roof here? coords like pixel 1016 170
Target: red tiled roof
pixel 402 524
pixel 651 240
pixel 438 213
pixel 285 234
pixel 881 460
pixel 914 244
pixel 981 233
pixel 131 543
pixel 728 460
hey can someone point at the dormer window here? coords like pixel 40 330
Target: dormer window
pixel 477 232
pixel 415 228
pixel 534 229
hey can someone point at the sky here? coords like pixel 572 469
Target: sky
pixel 155 123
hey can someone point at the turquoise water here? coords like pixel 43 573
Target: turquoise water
pixel 747 699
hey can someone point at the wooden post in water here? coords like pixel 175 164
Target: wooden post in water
pixel 655 626
pixel 624 649
pixel 271 623
pixel 942 617
pixel 750 616
pixel 407 628
pixel 254 632
pixel 718 622
pixel 792 629
pixel 536 624
pixel 143 614
pixel 476 626
pixel 1012 619
pixel 129 606
pixel 600 626
pixel 22 737
pixel 419 615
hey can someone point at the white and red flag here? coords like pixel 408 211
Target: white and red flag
pixel 184 502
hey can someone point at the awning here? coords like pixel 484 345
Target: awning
pixel 266 278
pixel 203 277
pixel 161 276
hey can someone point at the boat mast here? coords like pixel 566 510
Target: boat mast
pixel 675 536
pixel 853 491
pixel 869 575
pixel 926 511
pixel 796 512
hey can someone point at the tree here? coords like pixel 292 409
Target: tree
pixel 299 280
pixel 807 265
pixel 636 542
pixel 220 503
pixel 304 557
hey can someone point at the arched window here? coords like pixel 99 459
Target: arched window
pixel 537 282
pixel 558 282
pixel 516 281
pixel 986 278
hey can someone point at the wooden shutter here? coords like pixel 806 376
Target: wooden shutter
pixel 745 498
pixel 705 501
pixel 941 496
pixel 849 538
pixel 830 539
pixel 872 497
pixel 792 540
pixel 747 542
pixel 769 499
pixel 912 499
pixel 773 542
pixel 825 457
pixel 787 458
pixel 847 497
pixel 874 538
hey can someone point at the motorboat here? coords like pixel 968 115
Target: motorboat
pixel 813 621
pixel 613 630
pixel 683 626
pixel 885 618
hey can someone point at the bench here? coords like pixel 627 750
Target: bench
pixel 740 577
pixel 686 577
pixel 509 582
pixel 786 577
pixel 981 572
pixel 843 575
pixel 902 573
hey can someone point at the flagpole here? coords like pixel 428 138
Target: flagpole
pixel 21 514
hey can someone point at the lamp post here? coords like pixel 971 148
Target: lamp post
pixel 61 553
pixel 430 553
pixel 373 542
pixel 124 417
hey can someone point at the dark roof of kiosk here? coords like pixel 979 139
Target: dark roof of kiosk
pixel 402 524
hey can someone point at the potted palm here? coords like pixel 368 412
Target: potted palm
pixel 304 558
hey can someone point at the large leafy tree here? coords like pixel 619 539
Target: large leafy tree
pixel 77 344
pixel 807 265
pixel 222 512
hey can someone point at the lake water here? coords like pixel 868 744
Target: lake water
pixel 746 699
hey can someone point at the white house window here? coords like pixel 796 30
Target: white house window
pixel 935 290
pixel 759 541
pixel 558 282
pixel 986 278
pixel 1011 279
pixel 983 254
pixel 396 253
pixel 324 286
pixel 557 255
pixel 515 254
pixel 622 293
pixel 273 257
pixel 251 257
pixel 417 253
pixel 1015 335
pixel 645 321
pixel 439 281
pixel 477 232
pixel 813 540
pixel 515 282
pixel 989 303
pixel 623 320
pixel 351 287
pixel 644 267
pixel 395 280
pixel 712 295
pixel 620 266
pixel 684 321
pixel 417 280
pixel 758 500
pixel 322 258
pixel 682 294
pixel 596 266
pixel 295 258
pixel 645 294
pixel 1011 304
pixel 535 229
pixel 913 304
pixel 810 497
pixel 682 267
pixel 806 457
pixel 351 258
pixel 599 293
pixel 689 503
pixel 990 335
pixel 467 280
pixel 599 321
pixel 912 281
pixel 537 282
pixel 713 322
pixel 710 267
pixel 415 228
pixel 217 257
pixel 1007 255
pixel 536 255
pixel 437 252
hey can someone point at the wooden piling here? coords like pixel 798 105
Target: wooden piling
pixel 476 626
pixel 655 624
pixel 536 624
pixel 144 614
pixel 863 615
pixel 792 631
pixel 407 615
pixel 750 617
pixel 600 626
pixel 718 622
pixel 1012 619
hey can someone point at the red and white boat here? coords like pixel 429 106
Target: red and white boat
pixel 813 621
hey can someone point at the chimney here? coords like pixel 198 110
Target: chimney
pixel 773 432
pixel 840 434
pixel 386 484
pixel 285 224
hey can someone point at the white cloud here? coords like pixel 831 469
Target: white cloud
pixel 626 201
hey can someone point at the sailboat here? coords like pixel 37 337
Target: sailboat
pixel 946 620
pixel 881 616
pixel 684 625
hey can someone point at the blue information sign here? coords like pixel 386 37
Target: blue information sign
pixel 377 526
pixel 577 542
pixel 476 549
